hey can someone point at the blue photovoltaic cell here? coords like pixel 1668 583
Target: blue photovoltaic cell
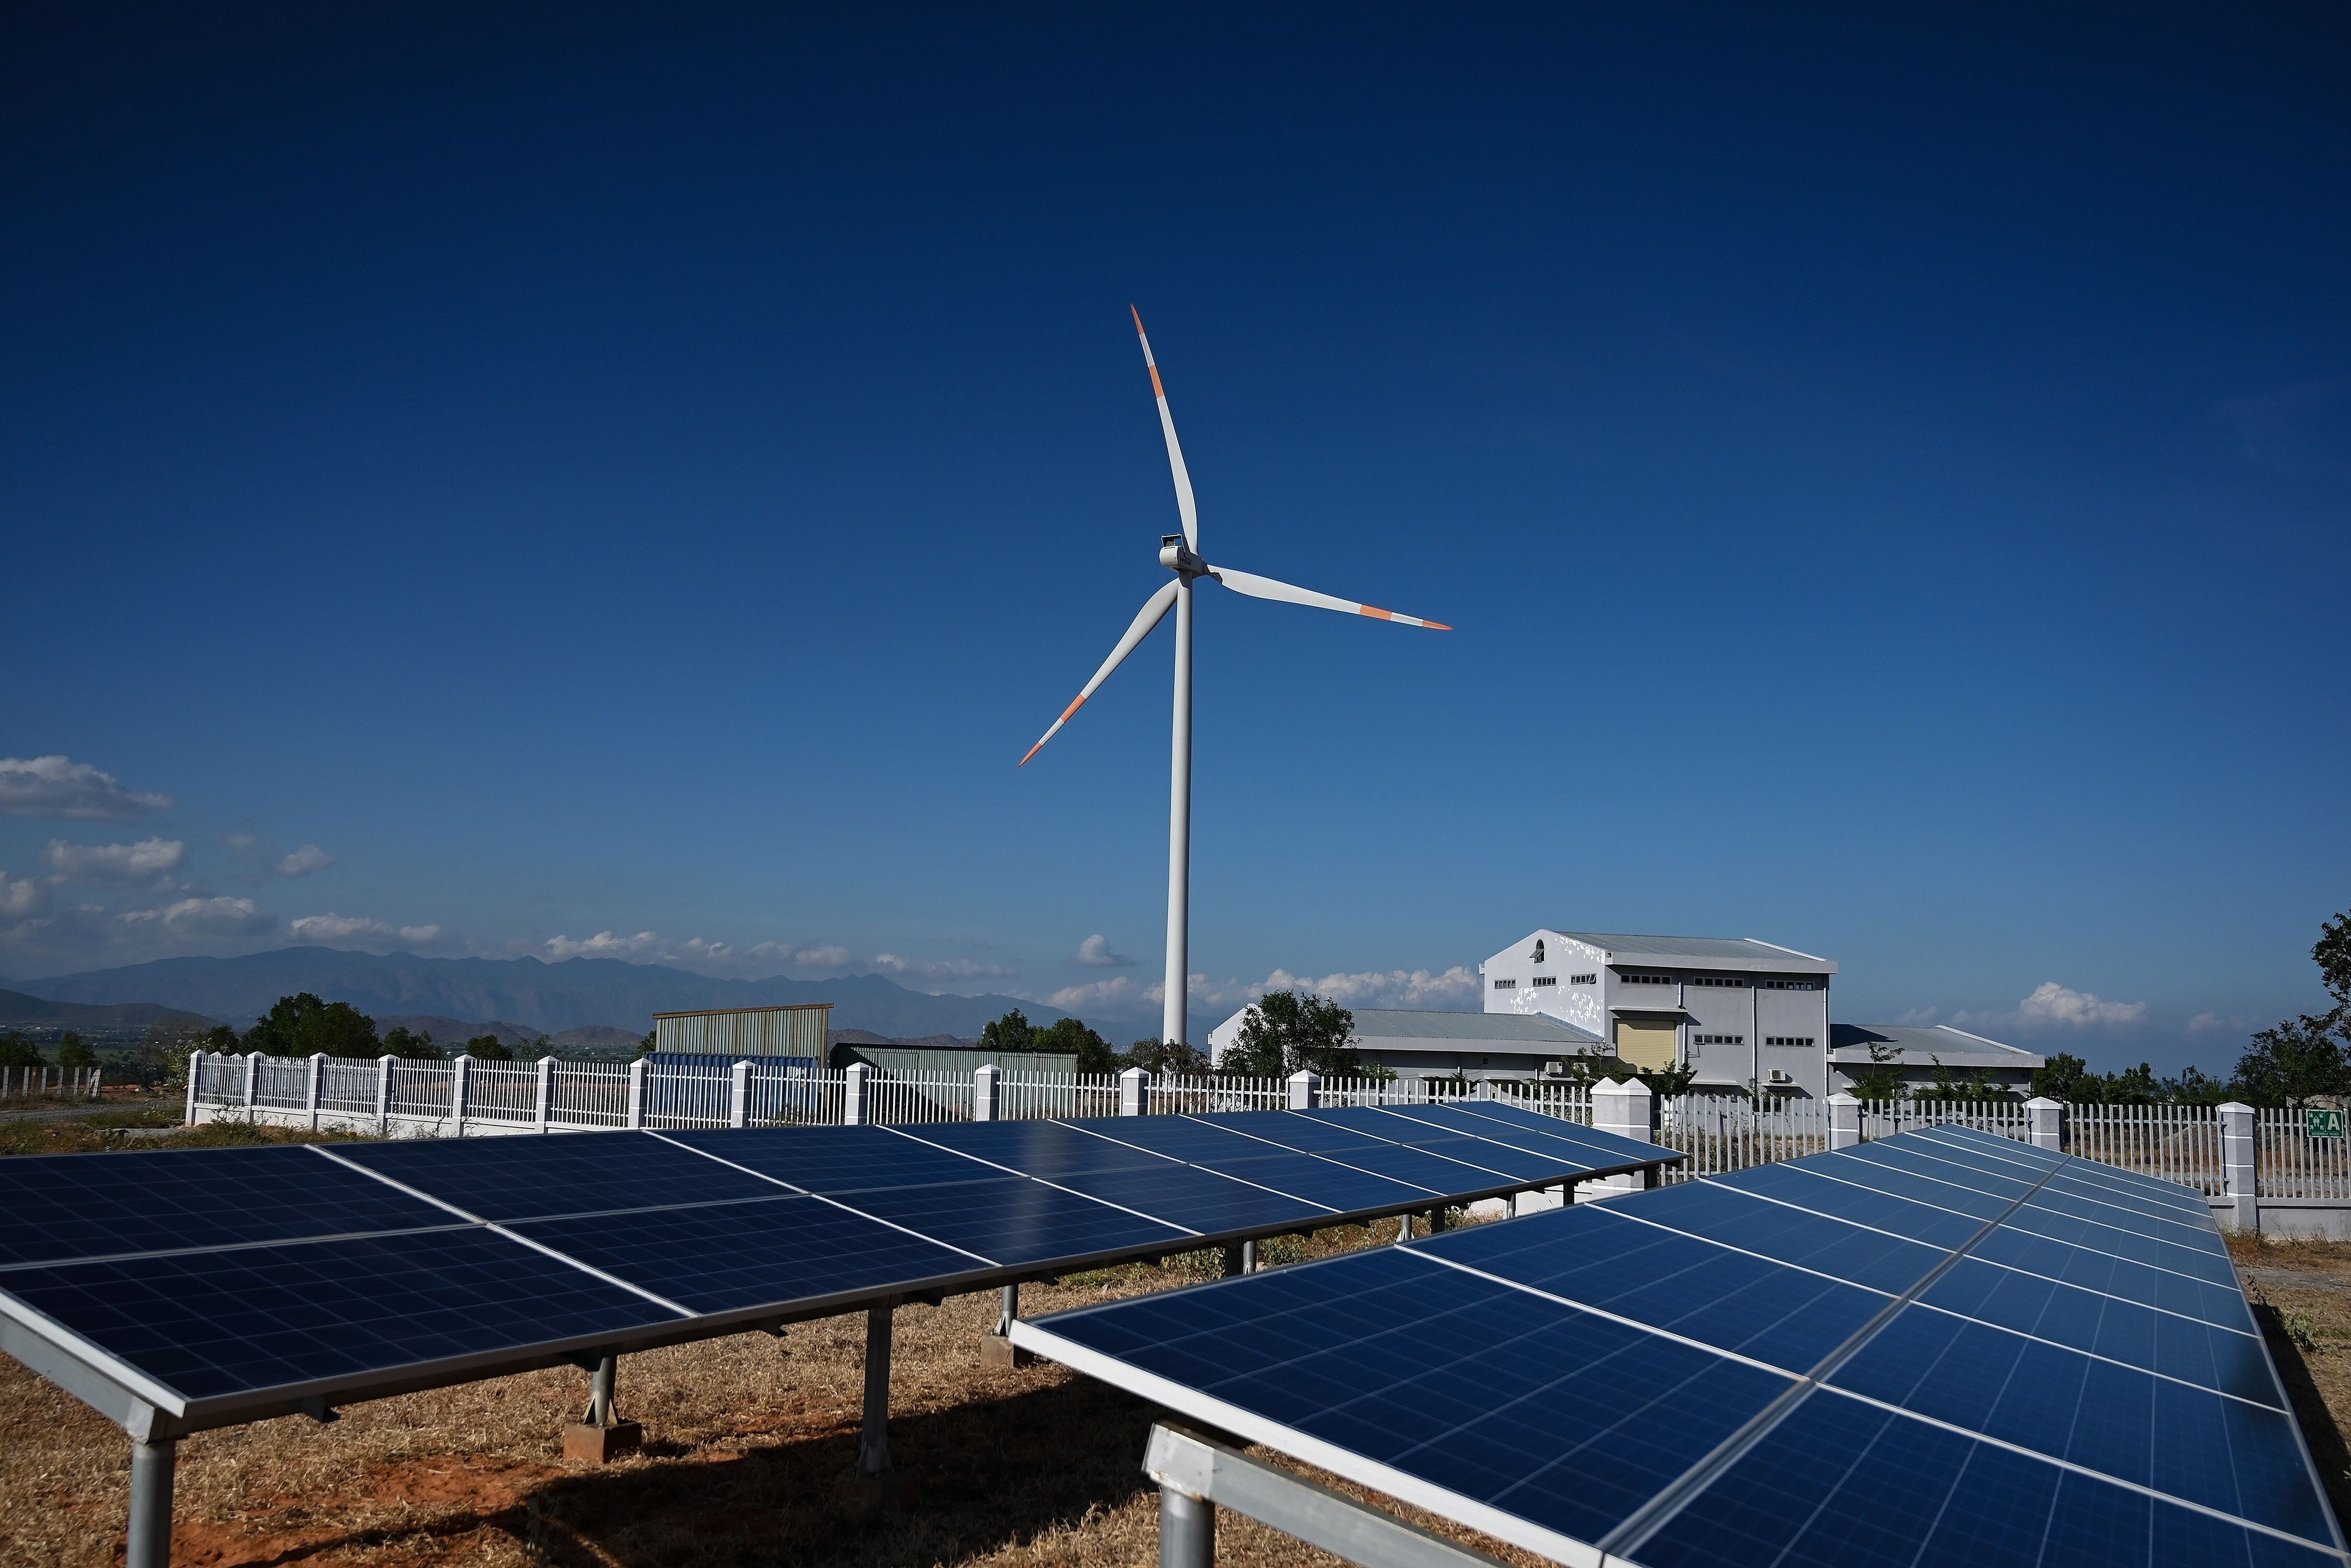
pixel 728 1256
pixel 2033 1219
pixel 2113 1275
pixel 59 1206
pixel 2194 1234
pixel 1833 1247
pixel 1014 1220
pixel 215 1323
pixel 578 1172
pixel 1199 1200
pixel 1933 1191
pixel 2188 1443
pixel 1796 1184
pixel 835 1159
pixel 1313 1132
pixel 1555 1415
pixel 1189 1138
pixel 1044 1149
pixel 1560 1146
pixel 2187 1348
pixel 1415 1168
pixel 1324 1181
pixel 2006 1185
pixel 1732 1301
pixel 1607 1148
pixel 2196 1215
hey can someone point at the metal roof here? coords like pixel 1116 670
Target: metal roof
pixel 1745 952
pixel 1919 1044
pixel 1374 1025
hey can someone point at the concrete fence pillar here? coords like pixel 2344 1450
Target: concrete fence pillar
pixel 2240 1149
pixel 1133 1091
pixel 252 1080
pixel 2046 1120
pixel 195 1076
pixel 738 1098
pixel 1629 1110
pixel 318 1090
pixel 1845 1121
pixel 1305 1090
pixel 545 1111
pixel 987 1093
pixel 382 1096
pixel 461 1075
pixel 637 1093
pixel 854 1105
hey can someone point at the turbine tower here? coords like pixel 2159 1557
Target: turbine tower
pixel 1179 553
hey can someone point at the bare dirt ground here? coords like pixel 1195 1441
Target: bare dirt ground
pixel 749 1445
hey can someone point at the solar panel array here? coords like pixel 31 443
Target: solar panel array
pixel 221 1285
pixel 1943 1347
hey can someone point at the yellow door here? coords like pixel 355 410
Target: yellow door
pixel 1645 1045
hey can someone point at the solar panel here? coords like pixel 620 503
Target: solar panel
pixel 228 1284
pixel 1852 1358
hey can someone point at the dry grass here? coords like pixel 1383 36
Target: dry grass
pixel 2301 1292
pixel 750 1442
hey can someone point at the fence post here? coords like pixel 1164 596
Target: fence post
pixel 2240 1146
pixel 546 1108
pixel 382 1096
pixel 316 1088
pixel 1305 1090
pixel 852 1098
pixel 461 1073
pixel 637 1093
pixel 1845 1121
pixel 987 1084
pixel 1629 1110
pixel 1133 1091
pixel 195 1074
pixel 2047 1118
pixel 252 1081
pixel 738 1104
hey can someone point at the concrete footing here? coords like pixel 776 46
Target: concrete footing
pixel 586 1445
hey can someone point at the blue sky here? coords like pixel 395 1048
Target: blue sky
pixel 577 472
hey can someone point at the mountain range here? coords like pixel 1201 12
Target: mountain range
pixel 524 993
pixel 15 1007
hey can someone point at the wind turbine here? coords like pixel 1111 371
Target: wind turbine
pixel 1179 553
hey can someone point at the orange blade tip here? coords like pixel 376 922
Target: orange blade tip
pixel 1436 626
pixel 1138 319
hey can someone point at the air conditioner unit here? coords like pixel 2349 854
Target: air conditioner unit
pixel 1781 1075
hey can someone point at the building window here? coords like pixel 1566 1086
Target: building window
pixel 1632 979
pixel 1718 980
pixel 1788 1040
pixel 1505 985
pixel 1539 957
pixel 1546 979
pixel 1719 1039
pixel 1790 985
pixel 1582 979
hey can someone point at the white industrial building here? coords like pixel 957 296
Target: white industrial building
pixel 1918 1049
pixel 1417 1043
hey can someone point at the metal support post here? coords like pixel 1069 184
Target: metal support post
pixel 1437 1218
pixel 1008 1309
pixel 987 1088
pixel 1845 1121
pixel 1188 1530
pixel 460 1071
pixel 546 1110
pixel 2240 1177
pixel 874 1439
pixel 637 1093
pixel 152 1465
pixel 853 1106
pixel 1305 1090
pixel 1232 1258
pixel 1248 1256
pixel 1404 1227
pixel 1133 1091
pixel 600 1391
pixel 2048 1118
pixel 382 1096
pixel 739 1104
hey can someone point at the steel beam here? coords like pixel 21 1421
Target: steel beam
pixel 874 1439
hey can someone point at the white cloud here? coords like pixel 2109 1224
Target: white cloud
pixel 303 862
pixel 333 927
pixel 59 787
pixel 21 897
pixel 940 968
pixel 1916 1017
pixel 1095 954
pixel 643 947
pixel 1115 993
pixel 724 958
pixel 150 862
pixel 1389 989
pixel 207 918
pixel 2214 1023
pixel 2051 1003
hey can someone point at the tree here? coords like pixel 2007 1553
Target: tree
pixel 302 1025
pixel 1069 1037
pixel 74 1053
pixel 1973 1087
pixel 2288 1063
pixel 488 1047
pixel 2333 955
pixel 17 1051
pixel 2066 1077
pixel 1009 1032
pixel 411 1047
pixel 1287 1032
pixel 1157 1056
pixel 1883 1079
pixel 645 1046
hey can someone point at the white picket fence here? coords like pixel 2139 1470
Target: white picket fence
pixel 52 1082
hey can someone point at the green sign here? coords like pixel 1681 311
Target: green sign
pixel 2323 1124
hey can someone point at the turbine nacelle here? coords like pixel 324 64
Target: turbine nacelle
pixel 1176 556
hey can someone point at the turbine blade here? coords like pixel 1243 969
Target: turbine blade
pixel 1175 450
pixel 1258 587
pixel 1145 619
